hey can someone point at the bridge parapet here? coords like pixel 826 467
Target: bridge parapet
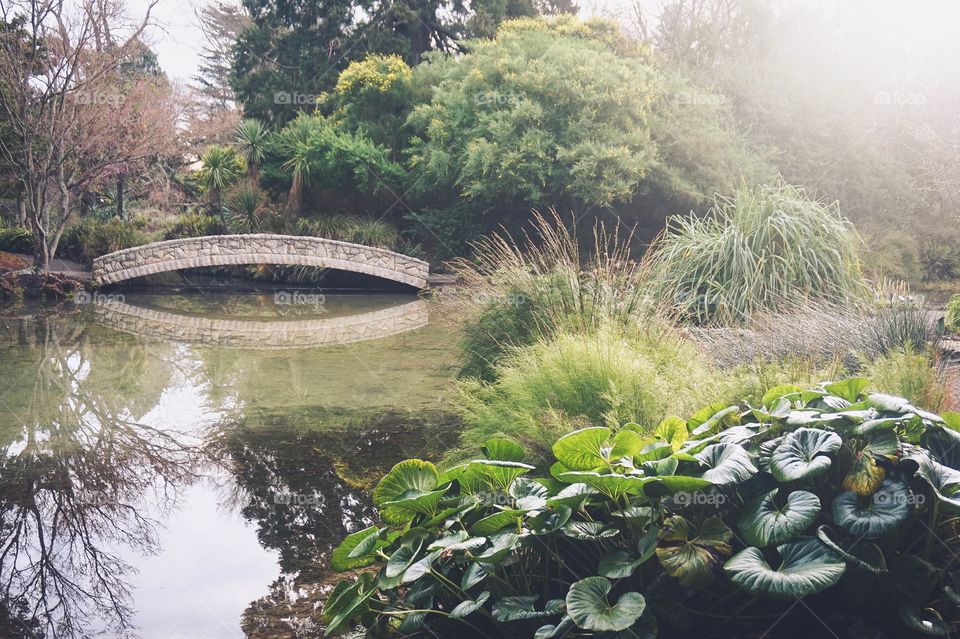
pixel 258 248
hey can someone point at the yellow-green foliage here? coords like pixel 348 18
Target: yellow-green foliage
pixel 601 30
pixel 605 377
pixel 375 73
pixel 909 373
pixel 952 317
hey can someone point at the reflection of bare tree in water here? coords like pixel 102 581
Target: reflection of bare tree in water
pixel 76 475
pixel 304 477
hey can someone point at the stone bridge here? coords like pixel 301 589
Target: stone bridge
pixel 254 334
pixel 260 248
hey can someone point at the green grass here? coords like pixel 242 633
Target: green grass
pixel 764 250
pixel 607 377
pixel 514 293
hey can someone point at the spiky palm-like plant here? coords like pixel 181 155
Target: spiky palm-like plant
pixel 221 168
pixel 250 140
pixel 295 142
pixel 245 208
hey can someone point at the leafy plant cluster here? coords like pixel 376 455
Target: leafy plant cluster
pixel 835 497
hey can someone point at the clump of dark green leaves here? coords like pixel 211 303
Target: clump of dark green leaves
pixel 842 499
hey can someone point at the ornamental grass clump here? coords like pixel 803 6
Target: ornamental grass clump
pixel 839 498
pixel 609 376
pixel 764 250
pixel 513 293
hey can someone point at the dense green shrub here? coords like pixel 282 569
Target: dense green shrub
pixel 951 318
pixel 608 376
pixel 763 250
pixel 512 294
pixel 16 239
pixel 717 525
pixel 92 237
pixel 194 225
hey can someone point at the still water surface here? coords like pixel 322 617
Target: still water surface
pixel 178 466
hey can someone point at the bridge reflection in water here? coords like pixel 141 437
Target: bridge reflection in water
pixel 158 324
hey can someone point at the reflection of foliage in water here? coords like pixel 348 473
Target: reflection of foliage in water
pixel 76 473
pixel 304 478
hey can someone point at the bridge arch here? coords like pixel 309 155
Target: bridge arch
pixel 258 248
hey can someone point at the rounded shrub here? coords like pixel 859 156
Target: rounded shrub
pixel 92 237
pixel 763 250
pixel 713 526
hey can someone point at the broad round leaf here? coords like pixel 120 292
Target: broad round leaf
pixel 692 557
pixel 589 608
pixel 803 454
pixel 876 515
pixel 727 463
pixel 410 477
pixel 765 522
pixel 503 449
pixel 582 449
pixel 865 475
pixel 807 567
pixel 520 608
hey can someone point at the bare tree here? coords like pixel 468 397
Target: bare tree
pixel 56 69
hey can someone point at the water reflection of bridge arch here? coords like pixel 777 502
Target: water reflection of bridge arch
pixel 156 324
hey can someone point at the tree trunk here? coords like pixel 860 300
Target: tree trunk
pixel 121 179
pixel 22 210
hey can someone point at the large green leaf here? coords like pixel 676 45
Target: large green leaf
pixel 873 516
pixel 765 521
pixel 807 567
pixel 727 463
pixel 528 494
pixel 672 430
pixel 356 550
pixel 492 523
pixel 944 445
pixel 409 476
pixel 673 484
pixel 347 602
pixel 497 474
pixel 849 389
pixel 582 449
pixel 712 418
pixel 803 454
pixel 469 606
pixel 589 608
pixel 524 607
pixel 612 485
pixel 503 449
pixel 693 557
pixel 408 488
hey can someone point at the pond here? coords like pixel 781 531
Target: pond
pixel 178 465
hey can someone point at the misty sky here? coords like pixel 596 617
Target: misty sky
pixel 882 29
